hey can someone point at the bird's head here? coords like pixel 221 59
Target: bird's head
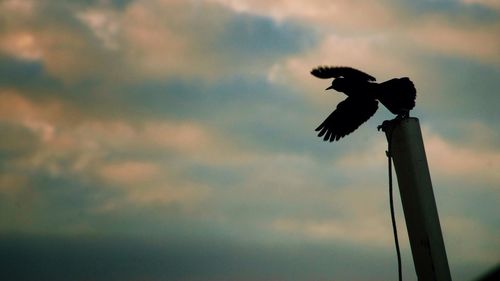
pixel 339 84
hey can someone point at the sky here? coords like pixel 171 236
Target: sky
pixel 146 140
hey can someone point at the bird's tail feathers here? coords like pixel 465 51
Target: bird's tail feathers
pixel 397 94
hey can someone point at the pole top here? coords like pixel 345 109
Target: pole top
pixel 388 126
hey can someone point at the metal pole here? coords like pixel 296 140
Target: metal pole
pixel 419 206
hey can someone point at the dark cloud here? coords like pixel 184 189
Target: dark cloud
pixel 16 143
pixel 457 192
pixel 465 95
pixel 116 258
pixel 453 9
pixel 115 3
pixel 469 89
pixel 247 39
pixel 51 203
pixel 26 75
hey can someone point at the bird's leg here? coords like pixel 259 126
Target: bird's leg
pixel 405 113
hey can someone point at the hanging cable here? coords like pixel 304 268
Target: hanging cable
pixel 391 204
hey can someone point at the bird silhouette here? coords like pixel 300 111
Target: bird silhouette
pixel 363 94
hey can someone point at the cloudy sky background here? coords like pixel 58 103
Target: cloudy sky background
pixel 174 139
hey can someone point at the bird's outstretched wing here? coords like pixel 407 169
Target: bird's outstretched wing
pixel 325 72
pixel 347 117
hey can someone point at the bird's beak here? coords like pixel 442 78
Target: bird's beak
pixel 329 88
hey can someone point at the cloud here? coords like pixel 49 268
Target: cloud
pixel 129 172
pixel 369 232
pixel 21 45
pixel 441 35
pixel 21 7
pixel 38 117
pixel 340 14
pixel 357 215
pixel 87 150
pixel 482 240
pixel 153 39
pixel 432 30
pixel 190 42
pixel 458 161
pixel 492 4
pixel 104 25
pixel 51 34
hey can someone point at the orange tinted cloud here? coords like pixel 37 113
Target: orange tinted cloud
pixel 456 161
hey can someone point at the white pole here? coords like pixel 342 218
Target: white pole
pixel 419 206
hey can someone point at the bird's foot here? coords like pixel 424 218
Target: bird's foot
pixel 386 124
pixel 389 123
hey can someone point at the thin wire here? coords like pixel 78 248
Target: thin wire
pixel 391 203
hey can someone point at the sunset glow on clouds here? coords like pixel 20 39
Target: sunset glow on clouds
pixel 174 140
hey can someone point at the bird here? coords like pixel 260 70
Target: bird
pixel 363 94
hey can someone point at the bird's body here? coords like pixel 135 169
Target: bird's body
pixel 397 95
